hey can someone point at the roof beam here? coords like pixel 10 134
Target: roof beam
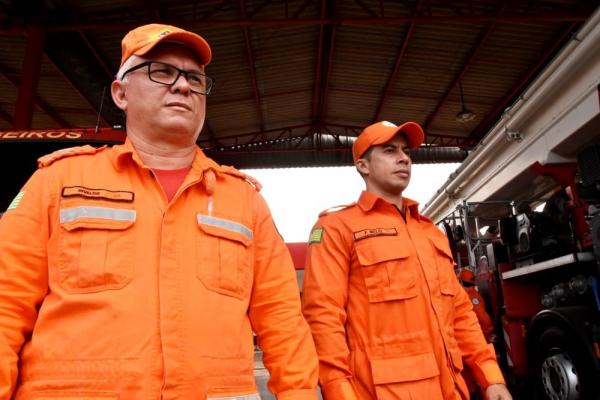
pixel 212 139
pixel 484 35
pixel 366 8
pixel 30 75
pixel 553 45
pixel 251 67
pixel 348 129
pixel 96 108
pixel 259 8
pixel 324 67
pixel 41 104
pixel 325 92
pixel 317 79
pixel 6 116
pixel 92 48
pixel 212 11
pixel 301 9
pixel 399 59
pixel 67 26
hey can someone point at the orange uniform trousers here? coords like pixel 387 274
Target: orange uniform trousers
pixel 389 317
pixel 108 290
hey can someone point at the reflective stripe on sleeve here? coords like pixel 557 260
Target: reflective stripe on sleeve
pixel 115 214
pixel 225 224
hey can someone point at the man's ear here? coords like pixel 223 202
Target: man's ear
pixel 362 165
pixel 118 92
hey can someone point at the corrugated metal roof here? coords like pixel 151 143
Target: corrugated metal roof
pixel 301 67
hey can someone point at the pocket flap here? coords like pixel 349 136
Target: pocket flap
pixel 442 245
pixel 225 228
pixel 404 369
pixel 371 253
pixel 94 217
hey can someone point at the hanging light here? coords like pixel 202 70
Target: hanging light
pixel 464 115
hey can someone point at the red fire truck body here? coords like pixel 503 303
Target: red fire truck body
pixel 523 212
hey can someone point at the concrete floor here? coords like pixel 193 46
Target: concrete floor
pixel 261 375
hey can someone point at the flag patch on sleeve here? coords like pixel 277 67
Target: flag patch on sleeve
pixel 15 203
pixel 316 235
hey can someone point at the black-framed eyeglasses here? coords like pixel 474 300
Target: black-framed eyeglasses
pixel 167 74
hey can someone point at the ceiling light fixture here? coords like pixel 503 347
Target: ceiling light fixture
pixel 465 115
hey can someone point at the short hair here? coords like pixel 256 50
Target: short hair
pixel 367 153
pixel 128 64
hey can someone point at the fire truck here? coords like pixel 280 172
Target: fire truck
pixel 523 213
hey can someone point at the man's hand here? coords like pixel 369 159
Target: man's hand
pixel 497 391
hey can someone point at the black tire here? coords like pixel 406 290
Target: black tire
pixel 564 368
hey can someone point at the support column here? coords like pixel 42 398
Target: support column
pixel 30 75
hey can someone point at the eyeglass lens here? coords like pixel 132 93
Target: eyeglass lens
pixel 167 75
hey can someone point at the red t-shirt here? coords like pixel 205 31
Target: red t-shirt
pixel 171 179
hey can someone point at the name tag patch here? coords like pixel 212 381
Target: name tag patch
pixel 367 233
pixel 105 194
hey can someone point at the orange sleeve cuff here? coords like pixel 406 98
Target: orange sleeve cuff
pixel 488 374
pixel 340 389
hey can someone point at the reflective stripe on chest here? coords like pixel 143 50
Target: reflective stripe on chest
pixel 226 224
pixel 115 214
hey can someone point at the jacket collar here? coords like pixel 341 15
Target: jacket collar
pixel 126 151
pixel 367 201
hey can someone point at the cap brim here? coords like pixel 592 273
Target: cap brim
pixel 413 132
pixel 192 41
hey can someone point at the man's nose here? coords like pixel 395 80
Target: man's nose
pixel 403 157
pixel 181 84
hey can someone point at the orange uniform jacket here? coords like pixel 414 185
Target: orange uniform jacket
pixel 109 291
pixel 479 308
pixel 389 317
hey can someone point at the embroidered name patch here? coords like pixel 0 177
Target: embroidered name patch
pixel 366 233
pixel 316 235
pixel 105 194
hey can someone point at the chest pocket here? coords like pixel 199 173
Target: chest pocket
pixel 387 269
pixel 96 246
pixel 224 254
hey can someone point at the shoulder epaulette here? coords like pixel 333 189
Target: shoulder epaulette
pixel 239 174
pixel 48 159
pixel 336 209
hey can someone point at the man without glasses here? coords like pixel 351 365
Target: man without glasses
pixel 389 318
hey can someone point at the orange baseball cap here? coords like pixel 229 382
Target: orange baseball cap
pixel 383 131
pixel 143 39
pixel 466 275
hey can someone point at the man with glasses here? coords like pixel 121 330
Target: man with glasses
pixel 140 271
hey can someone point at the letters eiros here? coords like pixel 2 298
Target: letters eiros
pixel 40 135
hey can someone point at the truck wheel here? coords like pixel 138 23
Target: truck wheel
pixel 562 367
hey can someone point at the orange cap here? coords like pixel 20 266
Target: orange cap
pixel 466 275
pixel 381 132
pixel 143 39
